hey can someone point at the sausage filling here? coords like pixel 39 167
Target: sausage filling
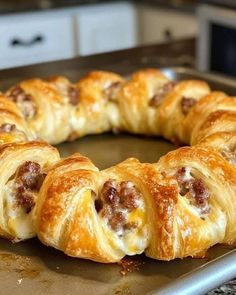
pixel 186 104
pixel 8 128
pixel 157 99
pixel 194 190
pixel 112 90
pixel 73 94
pixel 117 201
pixel 24 102
pixel 27 182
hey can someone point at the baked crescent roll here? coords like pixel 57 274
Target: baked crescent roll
pixel 43 108
pixel 216 100
pixel 96 110
pixel 176 106
pixel 12 125
pixel 224 143
pixel 22 174
pixel 205 211
pixel 140 99
pixel 68 91
pixel 218 121
pixel 154 197
pixel 198 114
pixel 90 214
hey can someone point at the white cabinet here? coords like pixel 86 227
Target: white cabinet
pixel 106 27
pixel 158 25
pixel 35 37
pixel 28 38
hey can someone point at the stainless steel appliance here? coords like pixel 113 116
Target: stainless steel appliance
pixel 217 39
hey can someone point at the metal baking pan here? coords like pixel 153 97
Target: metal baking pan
pixel 32 267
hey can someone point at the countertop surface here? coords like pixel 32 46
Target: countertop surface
pixel 228 288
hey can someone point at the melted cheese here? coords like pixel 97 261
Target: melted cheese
pixel 19 223
pixel 137 215
pixel 129 242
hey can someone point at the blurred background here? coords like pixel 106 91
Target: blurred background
pixel 200 34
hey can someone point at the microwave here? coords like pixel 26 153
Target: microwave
pixel 216 46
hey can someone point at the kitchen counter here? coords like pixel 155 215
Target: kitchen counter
pixel 228 288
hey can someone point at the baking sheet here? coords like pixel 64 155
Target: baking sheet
pixel 32 267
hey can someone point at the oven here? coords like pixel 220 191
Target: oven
pixel 217 39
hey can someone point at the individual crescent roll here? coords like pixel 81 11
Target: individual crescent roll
pixel 140 99
pixel 198 114
pixel 154 214
pixel 90 214
pixel 12 125
pixel 68 91
pixel 43 108
pixel 96 109
pixel 205 211
pixel 224 143
pixel 177 105
pixel 218 121
pixel 23 170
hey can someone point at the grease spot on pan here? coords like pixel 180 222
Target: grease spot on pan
pixel 21 265
pixel 122 290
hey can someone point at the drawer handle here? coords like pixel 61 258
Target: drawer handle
pixel 168 34
pixel 19 42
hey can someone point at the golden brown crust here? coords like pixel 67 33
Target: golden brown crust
pixel 219 179
pixel 139 114
pixel 170 209
pixel 43 108
pixel 15 221
pixel 176 106
pixel 224 143
pixel 97 110
pixel 213 102
pixel 197 115
pixel 65 214
pixel 218 121
pixel 161 198
pixel 12 125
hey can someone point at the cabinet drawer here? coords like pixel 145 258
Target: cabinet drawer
pixel 32 38
pixel 161 25
pixel 106 27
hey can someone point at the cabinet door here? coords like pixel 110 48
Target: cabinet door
pixel 106 27
pixel 32 38
pixel 159 25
